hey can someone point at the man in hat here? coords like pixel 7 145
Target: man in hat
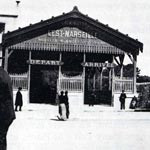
pixel 18 101
pixel 66 99
pixel 122 99
pixel 7 114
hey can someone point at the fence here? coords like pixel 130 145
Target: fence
pixel 19 80
pixel 74 84
pixel 70 84
pixel 125 84
pixel 65 83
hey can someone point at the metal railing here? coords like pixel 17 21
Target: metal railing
pixel 71 84
pixel 74 84
pixel 19 80
pixel 125 84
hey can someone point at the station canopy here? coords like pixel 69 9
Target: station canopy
pixel 72 32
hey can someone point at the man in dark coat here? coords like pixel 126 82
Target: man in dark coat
pixel 67 104
pixel 7 114
pixel 18 101
pixel 122 100
pixel 62 107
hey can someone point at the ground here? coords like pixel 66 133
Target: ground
pixel 89 128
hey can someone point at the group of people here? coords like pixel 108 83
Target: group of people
pixel 133 103
pixel 63 106
pixel 7 111
pixel 63 103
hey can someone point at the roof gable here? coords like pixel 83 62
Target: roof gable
pixel 75 19
pixel 68 39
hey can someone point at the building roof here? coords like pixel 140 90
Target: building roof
pixel 83 22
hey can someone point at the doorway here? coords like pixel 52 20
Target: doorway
pixel 43 84
pixel 97 87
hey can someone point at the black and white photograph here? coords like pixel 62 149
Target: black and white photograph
pixel 74 75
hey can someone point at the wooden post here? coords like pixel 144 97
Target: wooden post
pixel 94 80
pixel 121 72
pixel 101 78
pixel 109 79
pixel 112 87
pixel 121 77
pixel 134 61
pixel 29 76
pixel 134 77
pixel 59 74
pixel 84 60
pixel 6 60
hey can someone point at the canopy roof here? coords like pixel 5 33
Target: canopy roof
pixel 76 19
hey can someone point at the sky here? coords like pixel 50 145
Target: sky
pixel 128 16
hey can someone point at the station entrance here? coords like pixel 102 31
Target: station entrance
pixel 97 86
pixel 43 86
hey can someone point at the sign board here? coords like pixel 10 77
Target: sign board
pixel 70 33
pixel 92 64
pixel 45 62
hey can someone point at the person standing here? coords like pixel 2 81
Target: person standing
pixel 19 101
pixel 122 100
pixel 92 98
pixel 57 99
pixel 133 103
pixel 7 113
pixel 67 104
pixel 62 107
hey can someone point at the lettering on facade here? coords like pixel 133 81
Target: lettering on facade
pixel 68 35
pixel 91 64
pixel 45 62
pixel 71 33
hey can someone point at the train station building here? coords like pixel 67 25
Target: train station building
pixel 70 52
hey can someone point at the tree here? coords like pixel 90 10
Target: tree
pixel 144 78
pixel 128 70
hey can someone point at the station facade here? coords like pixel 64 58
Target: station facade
pixel 69 52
